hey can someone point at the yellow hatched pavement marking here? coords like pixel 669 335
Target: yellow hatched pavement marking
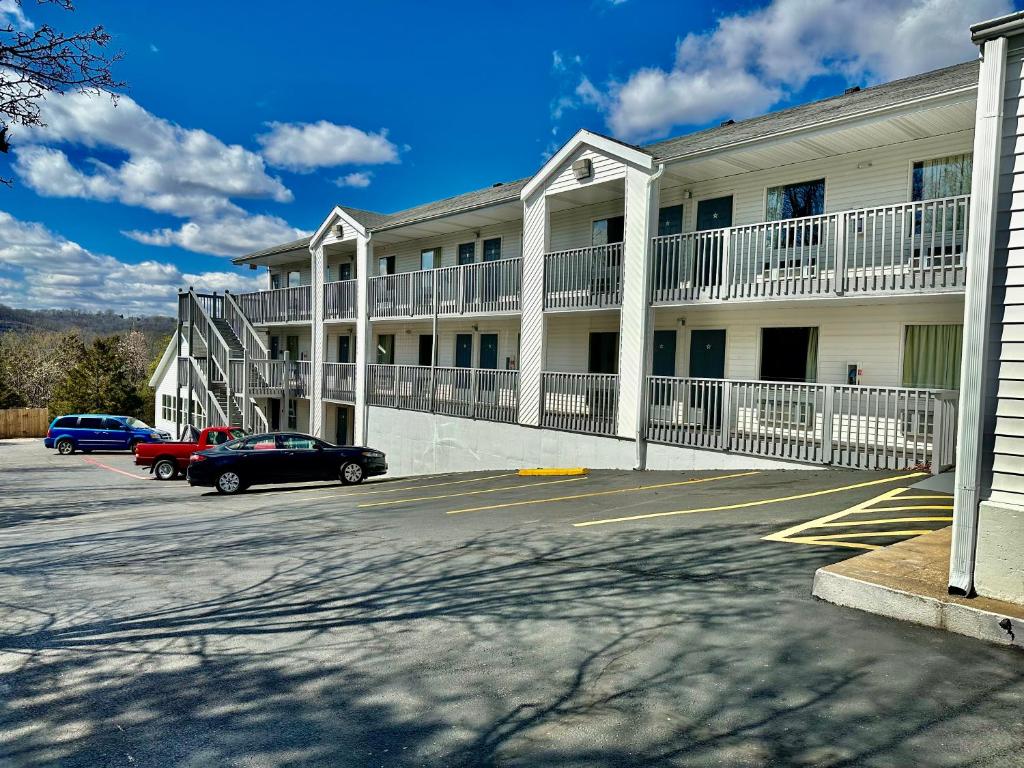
pixel 470 493
pixel 870 506
pixel 401 488
pixel 601 493
pixel 747 504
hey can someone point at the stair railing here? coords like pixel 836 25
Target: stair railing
pixel 253 348
pixel 216 346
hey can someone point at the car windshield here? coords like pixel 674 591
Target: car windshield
pixel 136 424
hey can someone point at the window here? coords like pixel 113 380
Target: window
pixel 167 407
pixel 426 348
pixel 327 274
pixel 275 281
pixel 275 347
pixel 789 354
pixel 670 220
pixel 294 279
pixel 604 352
pixel 261 443
pixel 931 356
pixel 68 422
pixel 386 265
pixel 430 258
pixel 297 443
pixel 90 422
pixel 113 424
pixel 386 349
pixel 942 177
pixel 794 201
pixel 605 231
pixel 467 253
pixel 492 249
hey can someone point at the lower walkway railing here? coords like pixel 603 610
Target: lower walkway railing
pixel 340 381
pixel 861 427
pixel 475 393
pixel 580 402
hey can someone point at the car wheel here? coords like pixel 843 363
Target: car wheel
pixel 351 473
pixel 65 447
pixel 134 445
pixel 165 469
pixel 229 482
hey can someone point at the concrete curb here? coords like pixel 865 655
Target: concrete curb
pixel 918 609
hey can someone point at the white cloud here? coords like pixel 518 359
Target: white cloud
pixel 360 180
pixel 42 269
pixel 304 147
pixel 229 235
pixel 12 15
pixel 751 61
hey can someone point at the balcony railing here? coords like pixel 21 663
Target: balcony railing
pixel 583 278
pixel 340 381
pixel 278 305
pixel 474 393
pixel 918 246
pixel 580 402
pixel 340 300
pixel 861 427
pixel 270 378
pixel 487 287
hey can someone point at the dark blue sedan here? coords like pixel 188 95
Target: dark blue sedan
pixel 282 458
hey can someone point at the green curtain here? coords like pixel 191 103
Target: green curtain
pixel 931 356
pixel 812 355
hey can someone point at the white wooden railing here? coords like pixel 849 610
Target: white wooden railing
pixel 278 305
pixel 269 378
pixel 919 246
pixel 580 402
pixel 583 278
pixel 474 393
pixel 340 381
pixel 340 300
pixel 862 427
pixel 487 287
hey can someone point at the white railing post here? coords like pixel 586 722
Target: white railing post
pixel 839 272
pixel 725 282
pixel 827 411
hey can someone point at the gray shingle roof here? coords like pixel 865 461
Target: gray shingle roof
pixel 294 245
pixel 834 108
pixel 806 115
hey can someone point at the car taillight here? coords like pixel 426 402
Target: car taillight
pixel 49 433
pixel 197 457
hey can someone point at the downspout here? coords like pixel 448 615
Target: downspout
pixel 365 276
pixel 641 413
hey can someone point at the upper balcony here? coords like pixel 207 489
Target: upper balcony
pixel 583 278
pixel 278 305
pixel 916 247
pixel 340 300
pixel 485 288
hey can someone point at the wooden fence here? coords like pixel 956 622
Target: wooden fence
pixel 24 422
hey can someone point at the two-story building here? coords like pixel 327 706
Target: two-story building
pixel 782 291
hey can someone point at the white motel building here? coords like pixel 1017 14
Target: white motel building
pixel 786 291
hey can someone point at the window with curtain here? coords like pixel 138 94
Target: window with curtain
pixel 948 176
pixel 386 349
pixel 430 258
pixel 931 356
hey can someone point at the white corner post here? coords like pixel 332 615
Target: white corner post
pixel 363 337
pixel 318 345
pixel 531 332
pixel 642 192
pixel 977 314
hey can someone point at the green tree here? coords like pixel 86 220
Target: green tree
pixel 104 380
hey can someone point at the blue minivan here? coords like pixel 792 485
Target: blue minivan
pixel 100 432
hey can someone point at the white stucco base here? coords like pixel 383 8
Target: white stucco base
pixel 999 559
pixel 424 443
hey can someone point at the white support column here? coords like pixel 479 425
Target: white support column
pixel 641 208
pixel 363 338
pixel 531 347
pixel 317 346
pixel 988 133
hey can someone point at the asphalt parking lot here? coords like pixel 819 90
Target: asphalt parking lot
pixel 477 619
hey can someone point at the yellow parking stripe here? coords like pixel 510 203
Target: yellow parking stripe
pixel 856 511
pixel 389 489
pixel 844 523
pixel 747 504
pixel 599 493
pixel 871 534
pixel 836 543
pixel 470 493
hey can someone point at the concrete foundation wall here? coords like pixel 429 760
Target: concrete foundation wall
pixel 423 443
pixel 999 572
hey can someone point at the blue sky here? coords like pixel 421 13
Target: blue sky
pixel 243 123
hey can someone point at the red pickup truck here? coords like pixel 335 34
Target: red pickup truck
pixel 166 460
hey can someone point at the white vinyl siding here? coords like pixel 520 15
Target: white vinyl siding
pixel 407 254
pixel 407 344
pixel 603 169
pixel 304 268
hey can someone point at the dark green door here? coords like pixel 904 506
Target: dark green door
pixel 464 350
pixel 342 427
pixel 489 350
pixel 707 354
pixel 664 362
pixel 344 343
pixel 715 213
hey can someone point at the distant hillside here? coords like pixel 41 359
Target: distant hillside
pixel 88 324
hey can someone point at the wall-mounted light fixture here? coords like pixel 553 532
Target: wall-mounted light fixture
pixel 687 194
pixel 681 322
pixel 582 168
pixel 863 164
